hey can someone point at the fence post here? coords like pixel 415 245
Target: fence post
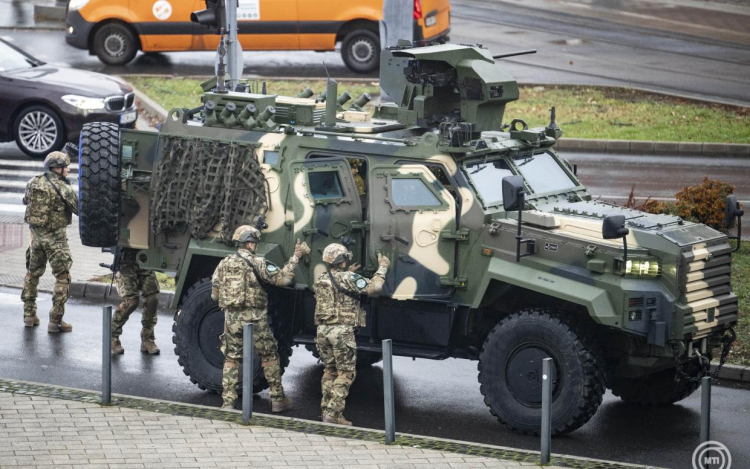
pixel 106 355
pixel 390 408
pixel 546 409
pixel 247 372
pixel 705 409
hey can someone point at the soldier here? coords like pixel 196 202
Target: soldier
pixel 337 313
pixel 50 205
pixel 239 286
pixel 132 280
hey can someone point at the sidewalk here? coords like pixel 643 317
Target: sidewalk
pixel 44 426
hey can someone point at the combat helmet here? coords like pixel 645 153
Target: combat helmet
pixel 246 234
pixel 56 159
pixel 336 253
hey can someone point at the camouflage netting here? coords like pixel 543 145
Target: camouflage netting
pixel 199 183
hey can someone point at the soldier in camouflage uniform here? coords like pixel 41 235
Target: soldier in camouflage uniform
pixel 50 205
pixel 359 182
pixel 132 280
pixel 242 296
pixel 337 313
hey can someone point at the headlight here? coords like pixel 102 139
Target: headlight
pixel 82 102
pixel 76 4
pixel 638 267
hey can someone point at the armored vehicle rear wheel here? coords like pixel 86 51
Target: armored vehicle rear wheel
pixel 510 371
pixel 364 359
pixel 99 184
pixel 657 389
pixel 197 326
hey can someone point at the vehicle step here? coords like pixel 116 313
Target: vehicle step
pixel 398 350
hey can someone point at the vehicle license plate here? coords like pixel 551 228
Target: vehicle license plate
pixel 431 21
pixel 129 117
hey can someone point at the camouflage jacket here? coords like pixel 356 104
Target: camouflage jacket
pixel 334 307
pixel 235 285
pixel 45 208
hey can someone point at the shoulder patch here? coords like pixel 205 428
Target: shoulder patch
pixel 271 268
pixel 359 281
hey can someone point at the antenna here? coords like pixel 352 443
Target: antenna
pixel 328 76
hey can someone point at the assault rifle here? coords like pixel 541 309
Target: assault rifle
pixel 115 265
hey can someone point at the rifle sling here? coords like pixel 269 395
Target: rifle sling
pixel 65 202
pixel 355 296
pixel 261 281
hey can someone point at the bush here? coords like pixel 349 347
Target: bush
pixel 701 204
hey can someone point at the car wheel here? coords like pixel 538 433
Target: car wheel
pixel 510 371
pixel 115 44
pixel 361 51
pixel 39 131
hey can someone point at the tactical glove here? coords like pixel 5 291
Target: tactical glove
pixel 383 261
pixel 301 249
pixel 354 267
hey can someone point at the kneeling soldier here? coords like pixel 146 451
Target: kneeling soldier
pixel 337 313
pixel 132 280
pixel 239 288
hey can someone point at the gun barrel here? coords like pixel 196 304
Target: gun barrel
pixel 513 54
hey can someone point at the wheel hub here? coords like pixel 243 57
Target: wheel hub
pixel 523 373
pixel 114 44
pixel 363 50
pixel 37 131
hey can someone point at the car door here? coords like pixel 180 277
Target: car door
pixel 268 24
pixel 326 207
pixel 412 221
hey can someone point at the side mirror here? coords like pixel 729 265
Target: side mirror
pixel 614 227
pixel 513 193
pixel 732 212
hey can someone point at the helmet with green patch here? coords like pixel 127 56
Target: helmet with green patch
pixel 336 253
pixel 56 159
pixel 246 234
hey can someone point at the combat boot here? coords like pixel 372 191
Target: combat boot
pixel 281 406
pixel 337 420
pixel 117 347
pixel 149 347
pixel 31 321
pixel 61 326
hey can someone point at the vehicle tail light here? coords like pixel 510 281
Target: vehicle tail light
pixel 417 9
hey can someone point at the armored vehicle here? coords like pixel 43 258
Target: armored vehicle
pixel 618 298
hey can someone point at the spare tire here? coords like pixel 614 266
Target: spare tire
pixel 99 184
pixel 197 326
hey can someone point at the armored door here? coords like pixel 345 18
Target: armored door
pixel 326 206
pixel 412 220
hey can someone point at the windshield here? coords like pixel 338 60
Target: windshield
pixel 12 59
pixel 544 174
pixel 487 178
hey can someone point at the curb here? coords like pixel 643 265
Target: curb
pixel 645 147
pixel 733 373
pixel 523 457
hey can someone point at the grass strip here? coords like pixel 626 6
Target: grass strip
pixel 582 111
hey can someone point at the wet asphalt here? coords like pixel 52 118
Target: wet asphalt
pixel 435 398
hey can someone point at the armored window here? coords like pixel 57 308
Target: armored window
pixel 412 192
pixel 271 157
pixel 544 174
pixel 487 177
pixel 325 185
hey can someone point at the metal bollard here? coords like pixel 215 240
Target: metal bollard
pixel 546 409
pixel 247 372
pixel 106 355
pixel 705 409
pixel 390 407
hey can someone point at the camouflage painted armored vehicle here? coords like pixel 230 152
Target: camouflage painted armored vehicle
pixel 434 181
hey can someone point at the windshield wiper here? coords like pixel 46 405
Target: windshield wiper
pixel 479 168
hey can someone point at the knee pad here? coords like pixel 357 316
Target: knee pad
pixel 31 280
pixel 266 364
pixel 129 304
pixel 63 278
pixel 231 363
pixel 151 302
pixel 347 376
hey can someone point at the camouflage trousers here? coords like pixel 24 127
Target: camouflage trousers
pixel 132 281
pixel 47 246
pixel 265 346
pixel 338 351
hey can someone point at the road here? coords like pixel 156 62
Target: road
pixel 435 398
pixel 576 45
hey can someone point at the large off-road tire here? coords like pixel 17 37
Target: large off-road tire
pixel 364 359
pixel 99 184
pixel 197 326
pixel 510 371
pixel 658 389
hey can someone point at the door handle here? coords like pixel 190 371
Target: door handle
pixel 311 231
pixel 388 238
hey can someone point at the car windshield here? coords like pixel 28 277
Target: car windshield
pixel 12 59
pixel 487 178
pixel 544 174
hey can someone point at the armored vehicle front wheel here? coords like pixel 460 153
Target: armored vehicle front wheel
pixel 659 388
pixel 99 184
pixel 510 371
pixel 197 326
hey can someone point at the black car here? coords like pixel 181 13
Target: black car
pixel 43 106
